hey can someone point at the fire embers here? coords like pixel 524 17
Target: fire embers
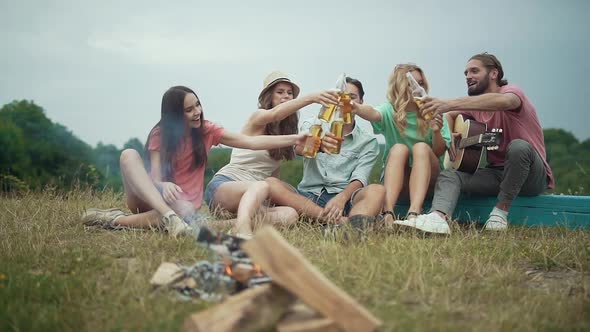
pixel 205 280
pixel 246 274
pixel 238 265
pixel 232 271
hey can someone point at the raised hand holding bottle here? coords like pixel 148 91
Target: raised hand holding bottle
pixel 327 112
pixel 418 93
pixel 313 141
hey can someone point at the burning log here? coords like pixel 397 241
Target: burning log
pixel 231 273
pixel 241 272
pixel 254 309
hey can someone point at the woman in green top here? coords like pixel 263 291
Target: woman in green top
pixel 413 145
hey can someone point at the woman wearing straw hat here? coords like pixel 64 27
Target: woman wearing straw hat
pixel 239 187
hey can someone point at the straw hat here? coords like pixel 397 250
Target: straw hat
pixel 274 78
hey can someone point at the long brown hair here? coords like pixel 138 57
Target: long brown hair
pixel 399 95
pixel 172 128
pixel 287 126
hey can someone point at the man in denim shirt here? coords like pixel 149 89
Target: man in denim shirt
pixel 336 185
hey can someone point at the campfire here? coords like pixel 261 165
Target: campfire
pixel 237 265
pixel 231 272
pixel 266 284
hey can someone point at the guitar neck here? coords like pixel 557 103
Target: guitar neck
pixel 469 141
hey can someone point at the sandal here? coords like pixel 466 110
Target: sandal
pixel 385 213
pixel 382 218
pixel 411 215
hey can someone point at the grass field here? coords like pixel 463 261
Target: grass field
pixel 55 275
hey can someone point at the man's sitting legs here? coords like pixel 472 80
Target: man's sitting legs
pixel 368 201
pixel 283 194
pixel 524 174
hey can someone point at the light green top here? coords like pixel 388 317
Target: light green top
pixel 387 128
pixel 334 172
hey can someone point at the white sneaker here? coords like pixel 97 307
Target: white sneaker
pixel 176 226
pixel 432 223
pixel 102 218
pixel 496 223
pixel 410 221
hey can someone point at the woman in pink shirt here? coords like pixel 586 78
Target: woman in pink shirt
pixel 178 146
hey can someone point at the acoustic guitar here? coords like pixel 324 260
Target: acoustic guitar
pixel 475 140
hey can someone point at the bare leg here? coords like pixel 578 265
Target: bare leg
pixel 149 219
pixel 250 203
pixel 243 197
pixel 393 178
pixel 142 195
pixel 425 170
pixel 368 201
pixel 283 195
pixel 280 216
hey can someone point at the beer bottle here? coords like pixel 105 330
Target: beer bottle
pixel 418 93
pixel 312 142
pixel 346 107
pixel 326 113
pixel 337 128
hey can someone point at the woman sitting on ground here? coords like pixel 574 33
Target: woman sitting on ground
pixel 239 187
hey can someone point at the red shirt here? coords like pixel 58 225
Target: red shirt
pixel 190 179
pixel 522 123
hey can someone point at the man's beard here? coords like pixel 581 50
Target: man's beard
pixel 480 87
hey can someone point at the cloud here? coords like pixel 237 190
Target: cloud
pixel 179 48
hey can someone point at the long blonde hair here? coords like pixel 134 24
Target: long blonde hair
pixel 399 95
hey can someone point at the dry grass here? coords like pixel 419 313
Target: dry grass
pixel 57 275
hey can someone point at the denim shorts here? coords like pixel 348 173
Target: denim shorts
pixel 324 197
pixel 212 187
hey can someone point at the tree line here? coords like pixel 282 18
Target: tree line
pixel 37 153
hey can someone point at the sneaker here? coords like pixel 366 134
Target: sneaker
pixel 410 220
pixel 496 223
pixel 176 226
pixel 103 218
pixel 432 223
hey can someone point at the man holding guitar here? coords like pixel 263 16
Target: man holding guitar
pixel 517 167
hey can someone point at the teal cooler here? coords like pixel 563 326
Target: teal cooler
pixel 544 210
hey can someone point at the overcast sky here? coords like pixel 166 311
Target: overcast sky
pixel 100 67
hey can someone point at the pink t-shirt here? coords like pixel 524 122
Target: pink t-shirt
pixel 185 176
pixel 521 123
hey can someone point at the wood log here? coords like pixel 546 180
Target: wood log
pixel 308 325
pixel 171 275
pixel 289 269
pixel 243 272
pixel 166 274
pixel 301 318
pixel 255 309
pixel 300 311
